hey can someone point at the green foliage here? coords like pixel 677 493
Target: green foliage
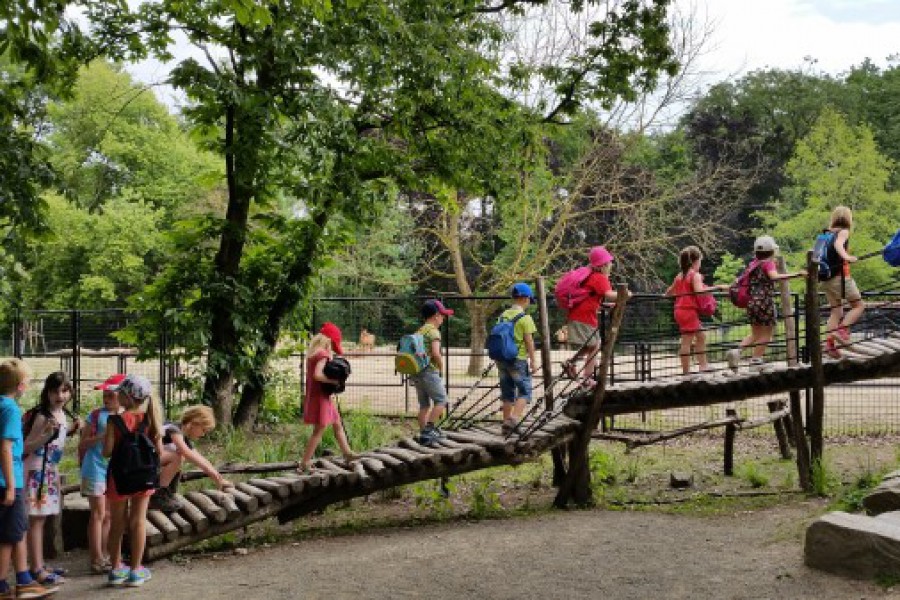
pixel 754 475
pixel 604 468
pixel 823 479
pixel 363 429
pixel 484 501
pixel 851 498
pixel 729 269
pixel 428 496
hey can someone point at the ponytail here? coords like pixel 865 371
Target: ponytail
pixel 154 412
pixel 686 259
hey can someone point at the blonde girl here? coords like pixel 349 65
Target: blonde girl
pixel 841 286
pixel 687 284
pixel 135 396
pixel 319 409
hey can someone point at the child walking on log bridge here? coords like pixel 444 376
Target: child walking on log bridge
pixel 839 285
pixel 515 375
pixel 430 390
pixel 761 275
pixel 319 409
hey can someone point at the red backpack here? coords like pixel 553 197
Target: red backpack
pixel 570 290
pixel 739 292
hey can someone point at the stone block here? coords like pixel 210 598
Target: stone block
pixel 854 546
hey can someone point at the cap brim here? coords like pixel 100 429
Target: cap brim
pixel 337 347
pixel 447 311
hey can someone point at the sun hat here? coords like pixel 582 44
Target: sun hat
pixel 600 256
pixel 333 333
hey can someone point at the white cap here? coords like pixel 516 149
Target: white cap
pixel 765 243
pixel 136 386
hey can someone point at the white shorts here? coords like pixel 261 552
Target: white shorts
pixel 93 487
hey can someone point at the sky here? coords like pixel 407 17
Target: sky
pixel 749 35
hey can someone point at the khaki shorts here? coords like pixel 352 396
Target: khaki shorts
pixel 835 291
pixel 580 333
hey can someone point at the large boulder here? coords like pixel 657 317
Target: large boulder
pixel 854 546
pixel 885 497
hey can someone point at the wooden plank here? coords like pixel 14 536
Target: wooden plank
pixel 263 496
pixel 445 454
pixel 296 484
pixel 212 510
pixel 389 461
pixel 163 524
pixel 154 535
pixel 198 520
pixel 184 527
pixel 279 490
pixel 225 501
pixel 411 459
pixel 246 502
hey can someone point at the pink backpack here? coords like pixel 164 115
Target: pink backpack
pixel 570 290
pixel 739 292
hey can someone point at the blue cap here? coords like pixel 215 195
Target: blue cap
pixel 522 290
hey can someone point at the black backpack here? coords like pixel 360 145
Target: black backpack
pixel 337 368
pixel 134 464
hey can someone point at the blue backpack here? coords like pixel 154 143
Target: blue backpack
pixel 825 254
pixel 501 342
pixel 412 356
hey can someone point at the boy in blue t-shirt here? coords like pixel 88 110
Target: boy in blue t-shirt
pixel 14 376
pixel 515 376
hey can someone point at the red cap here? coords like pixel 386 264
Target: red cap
pixel 111 382
pixel 333 333
pixel 433 307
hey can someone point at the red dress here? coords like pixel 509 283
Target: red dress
pixel 132 420
pixel 318 409
pixel 687 314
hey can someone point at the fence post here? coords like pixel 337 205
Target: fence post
pixel 559 465
pixel 17 333
pixel 814 344
pixel 446 336
pixel 163 343
pixel 76 359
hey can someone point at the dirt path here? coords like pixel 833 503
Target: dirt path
pixel 579 554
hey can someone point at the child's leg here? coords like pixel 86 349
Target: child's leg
pixel 590 362
pixel 170 465
pixel 437 412
pixel 137 528
pixel 104 529
pixel 684 352
pixel 762 335
pixel 518 409
pixel 507 409
pixel 312 444
pixel 6 552
pixel 95 528
pixel 35 537
pixel 856 310
pixel 118 521
pixel 700 350
pixel 341 438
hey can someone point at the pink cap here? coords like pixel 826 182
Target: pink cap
pixel 333 333
pixel 600 256
pixel 112 381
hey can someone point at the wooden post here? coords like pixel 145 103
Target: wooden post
pixel 814 345
pixel 794 425
pixel 577 484
pixel 780 433
pixel 730 431
pixel 559 465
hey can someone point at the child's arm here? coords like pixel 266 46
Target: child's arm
pixel 319 373
pixel 840 246
pixel 41 431
pixel 670 291
pixel 6 466
pixel 109 440
pixel 774 275
pixel 198 459
pixel 435 354
pixel 698 287
pixel 529 348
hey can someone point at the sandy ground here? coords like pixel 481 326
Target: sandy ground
pixel 577 554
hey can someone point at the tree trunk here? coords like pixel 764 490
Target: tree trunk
pixel 252 394
pixel 477 323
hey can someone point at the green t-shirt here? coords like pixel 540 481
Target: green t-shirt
pixel 523 326
pixel 429 333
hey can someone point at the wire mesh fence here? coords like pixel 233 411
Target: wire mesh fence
pixel 83 344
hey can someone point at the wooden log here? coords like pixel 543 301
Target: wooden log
pixel 192 513
pixel 264 497
pixel 389 461
pixel 878 345
pixel 728 459
pixel 376 469
pixel 445 454
pixel 278 490
pixel 494 445
pixel 777 406
pixel 889 343
pixel 248 503
pixel 296 484
pixel 364 478
pixel 216 513
pixel 412 459
pixel 184 527
pixel 225 501
pixel 479 452
pixel 154 535
pixel 337 474
pixel 163 524
pixel 243 468
pixel 865 349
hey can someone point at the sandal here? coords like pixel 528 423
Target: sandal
pixel 351 458
pixel 304 469
pixel 831 348
pixel 45 577
pixel 99 568
pixel 57 570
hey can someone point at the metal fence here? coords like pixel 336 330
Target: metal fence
pixel 83 344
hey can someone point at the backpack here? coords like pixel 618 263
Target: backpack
pixel 29 416
pixel 337 368
pixel 739 292
pixel 570 290
pixel 501 342
pixel 826 255
pixel 412 356
pixel 134 464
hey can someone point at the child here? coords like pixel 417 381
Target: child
pixel 841 286
pixel 582 321
pixel 687 284
pixel 196 421
pixel 135 396
pixel 93 473
pixel 43 452
pixel 515 376
pixel 14 376
pixel 318 408
pixel 761 308
pixel 430 390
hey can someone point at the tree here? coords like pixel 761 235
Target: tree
pixel 834 164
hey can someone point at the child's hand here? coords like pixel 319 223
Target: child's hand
pixel 224 484
pixel 852 259
pixel 76 424
pixel 49 429
pixel 9 498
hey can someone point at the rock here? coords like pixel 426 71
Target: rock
pixel 854 546
pixel 884 498
pixel 241 551
pixel 681 480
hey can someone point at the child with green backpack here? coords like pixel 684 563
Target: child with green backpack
pixel 419 357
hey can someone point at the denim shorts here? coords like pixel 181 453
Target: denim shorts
pixel 515 380
pixel 13 519
pixel 429 388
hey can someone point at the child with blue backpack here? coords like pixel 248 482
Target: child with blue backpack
pixel 429 384
pixel 836 282
pixel 515 374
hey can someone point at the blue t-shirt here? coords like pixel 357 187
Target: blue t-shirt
pixel 94 465
pixel 11 429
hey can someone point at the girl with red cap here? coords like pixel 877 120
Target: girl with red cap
pixel 318 408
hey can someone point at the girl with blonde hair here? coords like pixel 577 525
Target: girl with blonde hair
pixel 840 286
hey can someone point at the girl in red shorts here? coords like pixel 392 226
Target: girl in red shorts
pixel 688 283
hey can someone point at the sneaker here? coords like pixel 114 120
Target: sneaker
pixel 733 358
pixel 439 433
pixel 8 595
pixel 164 500
pixel 118 575
pixel 137 577
pixel 843 335
pixel 427 437
pixel 35 590
pixel 831 348
pixel 508 426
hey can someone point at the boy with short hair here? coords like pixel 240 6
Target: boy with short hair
pixel 429 384
pixel 14 376
pixel 515 376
